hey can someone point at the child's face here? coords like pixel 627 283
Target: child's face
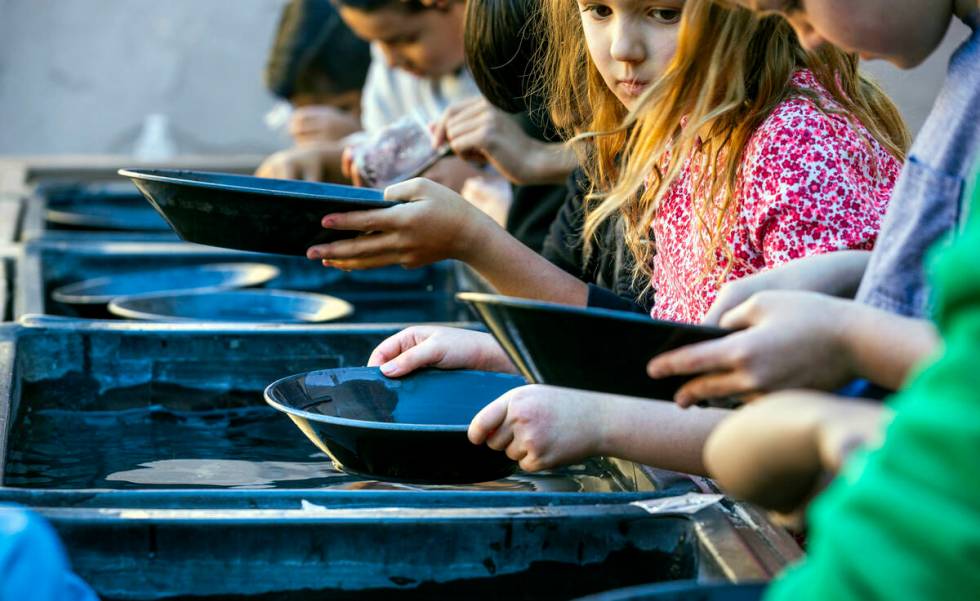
pixel 903 32
pixel 348 102
pixel 631 42
pixel 428 43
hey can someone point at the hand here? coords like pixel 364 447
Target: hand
pixel 321 123
pixel 541 427
pixel 317 163
pixel 347 167
pixel 436 224
pixel 452 172
pixel 493 196
pixel 837 274
pixel 781 450
pixel 790 340
pixel 440 347
pixel 476 130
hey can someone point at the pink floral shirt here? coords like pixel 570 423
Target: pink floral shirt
pixel 811 183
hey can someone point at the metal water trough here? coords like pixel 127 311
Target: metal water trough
pixel 386 295
pixel 359 540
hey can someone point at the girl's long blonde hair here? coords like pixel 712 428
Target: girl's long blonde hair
pixel 730 71
pixel 576 97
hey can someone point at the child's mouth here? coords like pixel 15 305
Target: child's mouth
pixel 633 87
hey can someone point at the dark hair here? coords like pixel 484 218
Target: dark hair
pixel 501 44
pixel 315 53
pixel 368 6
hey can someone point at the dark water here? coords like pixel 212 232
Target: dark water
pixel 167 437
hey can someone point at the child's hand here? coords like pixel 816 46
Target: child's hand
pixel 493 196
pixel 315 163
pixel 477 130
pixel 776 451
pixel 436 224
pixel 452 172
pixel 837 274
pixel 320 123
pixel 788 340
pixel 541 427
pixel 440 347
pixel 798 340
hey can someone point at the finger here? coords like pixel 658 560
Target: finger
pixel 469 111
pixel 362 247
pixel 384 260
pixel 516 451
pixel 347 162
pixel 313 172
pixel 744 315
pixel 487 420
pixel 374 220
pixel 391 347
pixel 724 302
pixel 468 142
pixel 426 354
pixel 702 357
pixel 712 386
pixel 412 189
pixel 286 170
pixel 501 438
pixel 440 133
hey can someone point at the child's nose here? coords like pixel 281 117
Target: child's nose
pixel 628 47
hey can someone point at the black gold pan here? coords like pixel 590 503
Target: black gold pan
pixel 589 349
pixel 250 213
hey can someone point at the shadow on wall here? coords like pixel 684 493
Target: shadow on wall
pixel 82 77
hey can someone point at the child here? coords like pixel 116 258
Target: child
pixel 802 339
pixel 416 69
pixel 793 111
pixel 319 66
pixel 911 496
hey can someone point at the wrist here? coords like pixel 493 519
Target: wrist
pixel 548 163
pixel 478 228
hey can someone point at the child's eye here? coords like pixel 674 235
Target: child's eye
pixel 668 16
pixel 599 11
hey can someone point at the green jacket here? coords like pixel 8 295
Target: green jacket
pixel 903 521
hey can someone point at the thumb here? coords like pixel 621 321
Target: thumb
pixel 487 421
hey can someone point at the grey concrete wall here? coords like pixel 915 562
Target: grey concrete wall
pixel 79 76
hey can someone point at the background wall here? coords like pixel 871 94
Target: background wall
pixel 80 76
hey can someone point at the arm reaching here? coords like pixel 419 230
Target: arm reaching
pixel 542 427
pixel 434 223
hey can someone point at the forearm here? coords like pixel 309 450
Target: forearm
pixel 657 433
pixel 884 347
pixel 515 270
pixel 837 274
pixel 550 163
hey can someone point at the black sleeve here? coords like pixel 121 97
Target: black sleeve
pixel 607 299
pixel 563 245
pixel 531 213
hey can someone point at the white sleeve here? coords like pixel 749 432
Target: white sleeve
pixel 379 101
